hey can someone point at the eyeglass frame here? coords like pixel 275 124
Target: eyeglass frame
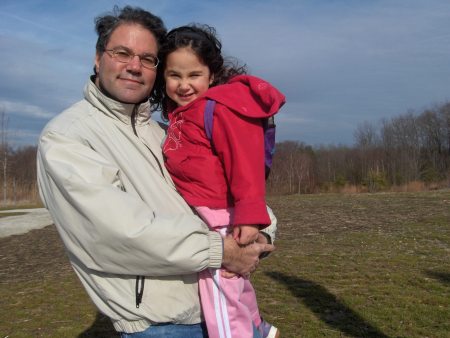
pixel 131 56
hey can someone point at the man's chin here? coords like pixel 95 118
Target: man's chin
pixel 132 101
pixel 128 99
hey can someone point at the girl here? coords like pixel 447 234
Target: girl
pixel 222 178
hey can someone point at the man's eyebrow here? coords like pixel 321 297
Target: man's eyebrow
pixel 122 47
pixel 131 51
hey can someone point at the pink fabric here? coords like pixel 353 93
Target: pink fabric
pixel 216 218
pixel 248 297
pixel 229 304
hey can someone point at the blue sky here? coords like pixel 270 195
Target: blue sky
pixel 339 63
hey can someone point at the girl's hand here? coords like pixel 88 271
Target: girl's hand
pixel 228 274
pixel 245 234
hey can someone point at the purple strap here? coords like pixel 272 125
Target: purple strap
pixel 269 145
pixel 208 116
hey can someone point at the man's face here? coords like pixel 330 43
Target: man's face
pixel 127 82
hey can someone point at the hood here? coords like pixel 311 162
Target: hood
pixel 249 96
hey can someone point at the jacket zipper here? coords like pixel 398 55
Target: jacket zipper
pixel 139 289
pixel 140 280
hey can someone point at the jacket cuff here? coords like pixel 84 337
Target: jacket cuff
pixel 254 212
pixel 215 250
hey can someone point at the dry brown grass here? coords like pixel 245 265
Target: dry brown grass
pixel 346 265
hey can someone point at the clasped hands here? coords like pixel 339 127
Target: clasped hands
pixel 243 259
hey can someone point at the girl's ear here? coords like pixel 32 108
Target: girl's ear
pixel 211 79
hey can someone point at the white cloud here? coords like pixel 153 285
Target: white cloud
pixel 338 62
pixel 24 109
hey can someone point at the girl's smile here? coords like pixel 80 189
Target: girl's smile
pixel 186 76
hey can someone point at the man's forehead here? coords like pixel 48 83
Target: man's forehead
pixel 133 36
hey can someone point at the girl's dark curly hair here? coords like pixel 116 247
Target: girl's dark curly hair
pixel 203 41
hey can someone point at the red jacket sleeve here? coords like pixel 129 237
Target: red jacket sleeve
pixel 239 143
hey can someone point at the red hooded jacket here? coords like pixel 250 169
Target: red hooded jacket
pixel 231 173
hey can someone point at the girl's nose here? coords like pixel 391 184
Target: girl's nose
pixel 184 85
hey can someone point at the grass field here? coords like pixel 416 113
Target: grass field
pixel 362 265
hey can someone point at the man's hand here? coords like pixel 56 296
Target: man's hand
pixel 242 260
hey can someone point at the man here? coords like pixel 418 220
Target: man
pixel 131 239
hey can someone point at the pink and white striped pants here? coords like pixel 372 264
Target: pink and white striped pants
pixel 229 304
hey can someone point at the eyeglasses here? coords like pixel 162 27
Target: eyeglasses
pixel 124 56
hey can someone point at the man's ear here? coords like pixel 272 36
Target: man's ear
pixel 98 56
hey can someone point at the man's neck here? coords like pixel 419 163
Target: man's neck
pixel 96 81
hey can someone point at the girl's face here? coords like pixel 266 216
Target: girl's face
pixel 186 76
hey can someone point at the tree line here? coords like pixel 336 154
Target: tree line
pixel 18 176
pixel 393 153
pixel 411 149
pixel 18 169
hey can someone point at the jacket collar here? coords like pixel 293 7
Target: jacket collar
pixel 116 109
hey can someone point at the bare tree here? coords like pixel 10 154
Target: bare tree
pixel 4 150
pixel 367 143
pixel 293 169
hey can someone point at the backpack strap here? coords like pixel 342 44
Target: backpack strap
pixel 269 142
pixel 208 117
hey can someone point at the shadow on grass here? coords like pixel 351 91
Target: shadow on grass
pixel 327 307
pixel 442 277
pixel 101 328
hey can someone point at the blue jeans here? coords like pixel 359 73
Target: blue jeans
pixel 176 331
pixel 170 331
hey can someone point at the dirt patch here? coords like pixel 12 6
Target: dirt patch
pixel 40 253
pixel 305 215
pixel 345 264
pixel 32 256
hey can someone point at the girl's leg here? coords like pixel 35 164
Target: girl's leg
pixel 225 315
pixel 248 298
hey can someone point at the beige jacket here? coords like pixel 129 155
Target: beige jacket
pixel 119 215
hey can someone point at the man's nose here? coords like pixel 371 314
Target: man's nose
pixel 135 64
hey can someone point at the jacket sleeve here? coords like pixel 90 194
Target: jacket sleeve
pixel 239 142
pixel 271 229
pixel 110 230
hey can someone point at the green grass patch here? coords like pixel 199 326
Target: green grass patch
pixel 6 214
pixel 21 206
pixel 360 266
pixel 367 265
pixel 3 210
